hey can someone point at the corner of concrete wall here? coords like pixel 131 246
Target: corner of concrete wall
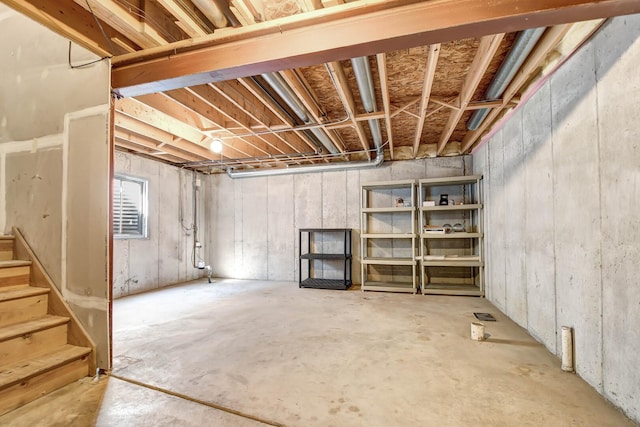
pixel 561 181
pixel 165 257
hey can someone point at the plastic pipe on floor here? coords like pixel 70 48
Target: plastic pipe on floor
pixel 567 349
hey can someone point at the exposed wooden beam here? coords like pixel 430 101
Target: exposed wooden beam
pixel 340 32
pixel 197 104
pixel 429 74
pixel 486 50
pixel 304 92
pixel 144 113
pixel 253 88
pixel 184 20
pixel 170 107
pixel 381 59
pixel 217 100
pixel 547 43
pixel 276 140
pixel 121 20
pixel 141 141
pixel 342 86
pixel 129 123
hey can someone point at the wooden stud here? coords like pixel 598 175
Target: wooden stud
pixel 381 59
pixel 185 20
pixel 429 74
pixel 253 88
pixel 342 87
pixel 546 44
pixel 487 49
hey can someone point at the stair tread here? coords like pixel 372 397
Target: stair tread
pixel 26 369
pixel 14 263
pixel 6 237
pixel 18 329
pixel 17 293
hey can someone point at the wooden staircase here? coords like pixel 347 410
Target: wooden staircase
pixel 42 345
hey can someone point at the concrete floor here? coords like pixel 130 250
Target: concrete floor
pixel 302 357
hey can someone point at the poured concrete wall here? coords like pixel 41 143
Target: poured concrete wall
pixel 562 193
pixel 166 256
pixel 54 158
pixel 255 221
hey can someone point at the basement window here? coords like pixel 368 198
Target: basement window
pixel 129 207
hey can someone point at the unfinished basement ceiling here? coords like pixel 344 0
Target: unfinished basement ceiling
pixel 245 72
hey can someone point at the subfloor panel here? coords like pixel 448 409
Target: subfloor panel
pixel 314 357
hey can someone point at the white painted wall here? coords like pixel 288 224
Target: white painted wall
pixel 165 257
pixel 255 221
pixel 562 196
pixel 54 163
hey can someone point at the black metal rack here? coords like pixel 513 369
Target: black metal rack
pixel 310 256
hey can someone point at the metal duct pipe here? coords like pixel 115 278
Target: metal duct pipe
pixel 283 90
pixel 281 87
pixel 521 49
pixel 364 78
pixel 309 169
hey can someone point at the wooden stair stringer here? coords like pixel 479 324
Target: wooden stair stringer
pixel 77 335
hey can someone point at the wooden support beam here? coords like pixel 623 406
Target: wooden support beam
pixel 184 20
pixel 252 87
pixel 276 140
pixel 381 59
pixel 305 94
pixel 486 50
pixel 169 106
pixel 217 100
pixel 369 116
pixel 429 73
pixel 142 112
pixel 131 124
pixel 122 21
pixel 546 44
pixel 141 141
pixel 340 32
pixel 342 87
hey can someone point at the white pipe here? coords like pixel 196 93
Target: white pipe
pixel 567 349
pixel 309 169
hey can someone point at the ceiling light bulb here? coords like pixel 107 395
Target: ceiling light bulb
pixel 216 145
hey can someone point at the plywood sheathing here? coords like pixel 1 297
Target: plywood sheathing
pixel 273 9
pixel 320 82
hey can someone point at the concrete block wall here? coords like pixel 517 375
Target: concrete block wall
pixel 54 163
pixel 255 221
pixel 562 193
pixel 166 256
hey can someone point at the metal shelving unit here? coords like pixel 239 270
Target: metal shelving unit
pixel 343 244
pixel 451 262
pixel 388 236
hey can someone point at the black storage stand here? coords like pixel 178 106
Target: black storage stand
pixel 311 255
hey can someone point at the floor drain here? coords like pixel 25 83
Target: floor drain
pixel 487 317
